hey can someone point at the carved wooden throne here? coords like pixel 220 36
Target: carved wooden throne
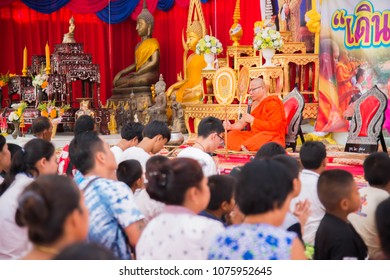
pixel 294 104
pixel 366 126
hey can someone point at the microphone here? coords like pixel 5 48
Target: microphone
pixel 249 108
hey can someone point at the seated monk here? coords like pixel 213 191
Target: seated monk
pixel 267 119
pixel 145 71
pixel 189 90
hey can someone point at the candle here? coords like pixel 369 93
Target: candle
pixel 25 58
pixel 24 70
pixel 47 52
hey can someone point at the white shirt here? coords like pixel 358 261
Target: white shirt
pixel 14 242
pixel 309 181
pixel 177 234
pixel 204 159
pixel 364 220
pixel 137 154
pixel 118 152
pixel 149 207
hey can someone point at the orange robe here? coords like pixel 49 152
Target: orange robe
pixel 269 126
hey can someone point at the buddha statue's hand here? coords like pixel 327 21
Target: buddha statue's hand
pixel 179 77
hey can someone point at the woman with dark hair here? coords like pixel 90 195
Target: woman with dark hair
pixel 53 211
pixel 37 158
pixel 263 196
pixel 5 158
pixel 178 232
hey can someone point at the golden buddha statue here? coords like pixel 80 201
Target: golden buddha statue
pixel 145 71
pixel 189 88
pixel 69 37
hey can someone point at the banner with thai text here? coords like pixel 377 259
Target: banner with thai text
pixel 354 56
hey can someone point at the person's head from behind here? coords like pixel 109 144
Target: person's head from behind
pixel 338 192
pixel 222 189
pixel 83 124
pixel 264 186
pixel 132 132
pixel 269 150
pixel 154 164
pixel 42 127
pixel 313 156
pixel 211 130
pixel 85 251
pixel 180 181
pixel 376 168
pixel 130 172
pixel 36 158
pixel 5 155
pixel 53 210
pixel 13 148
pixel 88 153
pixel 293 168
pixel 159 133
pixel 382 221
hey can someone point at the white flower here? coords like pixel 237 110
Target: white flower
pixel 214 50
pixel 207 38
pixel 13 117
pixel 208 45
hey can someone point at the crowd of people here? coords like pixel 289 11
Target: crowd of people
pixel 129 202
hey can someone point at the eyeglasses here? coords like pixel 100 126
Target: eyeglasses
pixel 222 139
pixel 253 89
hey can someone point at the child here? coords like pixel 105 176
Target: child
pixel 336 238
pixel 263 195
pixel 383 225
pixel 294 220
pixel 150 207
pixel 221 197
pixel 376 172
pixel 130 172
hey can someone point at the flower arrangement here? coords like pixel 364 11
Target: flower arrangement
pixel 40 80
pixel 209 44
pixel 4 79
pixel 17 114
pixel 51 111
pixel 268 38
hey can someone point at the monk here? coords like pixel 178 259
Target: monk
pixel 267 119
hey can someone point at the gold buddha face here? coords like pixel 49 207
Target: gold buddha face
pixel 142 27
pixel 192 40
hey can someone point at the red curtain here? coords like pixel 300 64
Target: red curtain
pixel 112 46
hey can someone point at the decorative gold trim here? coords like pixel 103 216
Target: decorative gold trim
pixel 225 85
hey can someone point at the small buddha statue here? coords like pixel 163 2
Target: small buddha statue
pixel 112 123
pixel 145 71
pixel 178 124
pixel 159 110
pixel 69 37
pixel 189 89
pixel 84 110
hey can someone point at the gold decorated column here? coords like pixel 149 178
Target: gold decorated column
pixel 317 34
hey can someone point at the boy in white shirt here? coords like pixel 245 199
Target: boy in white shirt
pixel 210 137
pixel 131 134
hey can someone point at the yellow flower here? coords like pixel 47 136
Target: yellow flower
pixel 44 113
pixel 53 114
pixel 44 84
pixel 2 84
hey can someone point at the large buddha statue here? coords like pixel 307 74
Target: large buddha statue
pixel 189 88
pixel 145 71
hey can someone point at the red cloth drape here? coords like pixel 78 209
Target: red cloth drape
pixel 112 46
pixel 86 6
